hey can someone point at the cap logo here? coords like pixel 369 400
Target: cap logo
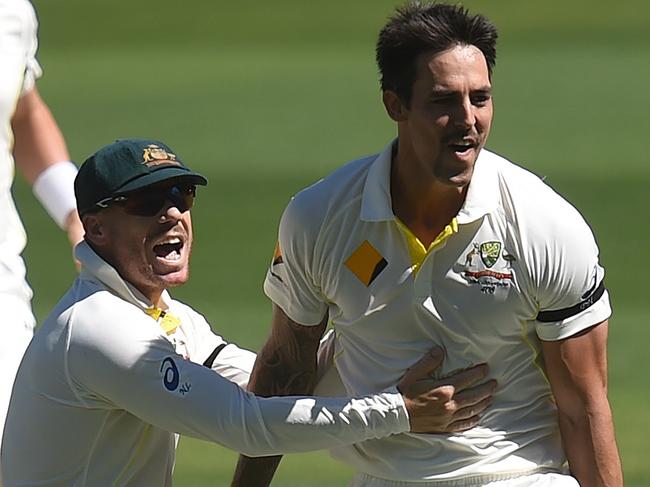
pixel 154 156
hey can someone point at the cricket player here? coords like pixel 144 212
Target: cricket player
pixel 31 138
pixel 436 240
pixel 119 368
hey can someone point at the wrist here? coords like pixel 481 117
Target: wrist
pixel 54 188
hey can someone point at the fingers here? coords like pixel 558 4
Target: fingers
pixel 473 411
pixel 467 377
pixel 469 405
pixel 475 395
pixel 463 425
pixel 423 368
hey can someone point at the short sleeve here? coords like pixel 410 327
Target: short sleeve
pixel 570 284
pixel 292 280
pixel 211 350
pixel 33 69
pixel 235 364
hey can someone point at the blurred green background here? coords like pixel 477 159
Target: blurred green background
pixel 266 97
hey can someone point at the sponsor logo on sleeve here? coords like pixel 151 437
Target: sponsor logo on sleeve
pixel 277 260
pixel 171 376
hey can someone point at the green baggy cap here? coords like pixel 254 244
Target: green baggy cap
pixel 126 166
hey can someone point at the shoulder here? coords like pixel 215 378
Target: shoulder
pixel 327 198
pixel 102 324
pixel 552 237
pixel 531 203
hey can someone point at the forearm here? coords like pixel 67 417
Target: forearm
pixel 272 376
pixel 577 371
pixel 282 372
pixel 41 155
pixel 286 365
pixel 590 446
pixel 38 141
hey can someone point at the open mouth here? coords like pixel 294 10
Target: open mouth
pixel 462 146
pixel 169 249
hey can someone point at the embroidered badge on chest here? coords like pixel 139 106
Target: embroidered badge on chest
pixel 366 263
pixel 489 266
pixel 489 252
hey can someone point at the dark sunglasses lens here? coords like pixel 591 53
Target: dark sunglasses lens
pixel 146 204
pixel 182 197
pixel 149 203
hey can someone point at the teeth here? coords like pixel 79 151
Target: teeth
pixel 171 241
pixel 461 143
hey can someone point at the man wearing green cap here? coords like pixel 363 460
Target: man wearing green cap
pixel 119 368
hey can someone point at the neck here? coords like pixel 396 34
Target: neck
pixel 156 299
pixel 422 202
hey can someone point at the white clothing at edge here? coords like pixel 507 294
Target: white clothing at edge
pixel 18 72
pixel 534 480
pixel 520 249
pixel 101 388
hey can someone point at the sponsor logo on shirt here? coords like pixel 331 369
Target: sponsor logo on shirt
pixel 366 263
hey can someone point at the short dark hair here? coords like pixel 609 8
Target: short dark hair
pixel 417 28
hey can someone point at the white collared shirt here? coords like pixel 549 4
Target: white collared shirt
pixel 19 70
pixel 523 266
pixel 102 389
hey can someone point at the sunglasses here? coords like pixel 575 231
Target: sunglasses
pixel 149 202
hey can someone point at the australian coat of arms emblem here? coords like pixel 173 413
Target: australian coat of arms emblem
pixel 492 269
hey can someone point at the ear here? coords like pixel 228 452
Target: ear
pixel 95 230
pixel 394 107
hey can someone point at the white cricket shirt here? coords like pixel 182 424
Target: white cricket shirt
pixel 103 388
pixel 19 70
pixel 522 266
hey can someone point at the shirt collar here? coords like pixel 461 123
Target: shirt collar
pixel 481 199
pixel 482 194
pixel 92 265
pixel 376 204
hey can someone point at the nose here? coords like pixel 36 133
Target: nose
pixel 465 117
pixel 170 212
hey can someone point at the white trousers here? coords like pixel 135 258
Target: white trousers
pixel 16 328
pixel 533 480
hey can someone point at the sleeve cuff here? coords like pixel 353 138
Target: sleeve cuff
pixel 559 330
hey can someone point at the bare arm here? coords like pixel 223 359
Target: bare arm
pixel 285 365
pixel 577 371
pixel 39 144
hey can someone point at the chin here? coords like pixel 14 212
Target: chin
pixel 175 279
pixel 457 180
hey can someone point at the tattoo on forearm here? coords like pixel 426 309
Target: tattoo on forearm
pixel 286 367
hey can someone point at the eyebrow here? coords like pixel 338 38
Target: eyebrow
pixel 486 90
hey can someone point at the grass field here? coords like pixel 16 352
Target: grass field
pixel 266 98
